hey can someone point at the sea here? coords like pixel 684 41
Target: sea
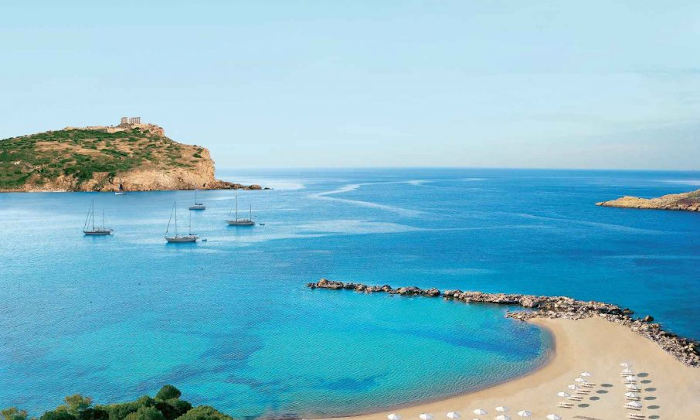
pixel 229 321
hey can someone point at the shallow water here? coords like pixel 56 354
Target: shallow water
pixel 229 322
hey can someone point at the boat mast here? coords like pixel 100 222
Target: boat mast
pixel 236 205
pixel 87 220
pixel 189 226
pixel 167 229
pixel 93 215
pixel 175 209
pixel 250 212
pixel 103 218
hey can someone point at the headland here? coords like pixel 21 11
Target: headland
pixel 130 156
pixel 689 201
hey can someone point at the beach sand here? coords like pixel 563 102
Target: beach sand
pixel 670 390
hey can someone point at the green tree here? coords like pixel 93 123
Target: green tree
pixel 168 392
pixel 204 412
pixel 120 411
pixel 75 404
pixel 146 413
pixel 173 408
pixel 13 413
pixel 58 414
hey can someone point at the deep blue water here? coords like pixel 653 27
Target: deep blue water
pixel 230 323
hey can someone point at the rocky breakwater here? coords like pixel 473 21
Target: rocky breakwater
pixel 684 349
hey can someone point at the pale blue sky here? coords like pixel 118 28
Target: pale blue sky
pixel 586 84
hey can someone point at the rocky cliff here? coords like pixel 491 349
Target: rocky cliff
pixel 689 201
pixel 134 158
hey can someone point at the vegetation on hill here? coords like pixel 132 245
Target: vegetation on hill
pixel 167 405
pixel 78 155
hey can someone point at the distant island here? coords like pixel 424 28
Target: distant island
pixel 130 156
pixel 689 201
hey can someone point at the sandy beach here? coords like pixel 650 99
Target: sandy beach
pixel 670 390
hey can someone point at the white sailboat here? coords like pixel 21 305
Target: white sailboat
pixel 196 205
pixel 241 222
pixel 177 238
pixel 89 228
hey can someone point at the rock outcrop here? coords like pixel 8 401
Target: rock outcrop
pixel 133 157
pixel 684 349
pixel 689 201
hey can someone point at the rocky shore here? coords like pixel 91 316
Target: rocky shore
pixel 684 349
pixel 689 201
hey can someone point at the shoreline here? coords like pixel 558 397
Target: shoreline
pixel 546 361
pixel 591 344
pixel 684 349
pixel 588 336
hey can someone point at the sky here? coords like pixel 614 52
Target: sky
pixel 379 83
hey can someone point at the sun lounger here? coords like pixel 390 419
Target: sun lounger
pixel 563 404
pixel 635 416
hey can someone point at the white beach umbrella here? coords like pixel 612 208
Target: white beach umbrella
pixel 631 394
pixel 553 417
pixel 627 371
pixel 502 417
pixel 480 412
pixel 393 416
pixel 631 378
pixel 625 364
pixel 635 404
pixel 563 394
pixel 501 409
pixel 425 416
pixel 586 374
pixel 631 386
pixel 524 413
pixel 572 387
pixel 579 380
pixel 453 415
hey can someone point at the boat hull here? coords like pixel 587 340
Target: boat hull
pixel 97 232
pixel 181 239
pixel 240 222
pixel 198 207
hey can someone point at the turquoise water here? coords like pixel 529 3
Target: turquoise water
pixel 229 322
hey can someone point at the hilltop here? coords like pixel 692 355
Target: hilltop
pixel 689 201
pixel 130 156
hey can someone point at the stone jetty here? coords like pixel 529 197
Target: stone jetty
pixel 684 349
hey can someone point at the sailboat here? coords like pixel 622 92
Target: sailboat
pixel 89 228
pixel 241 222
pixel 197 206
pixel 177 238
